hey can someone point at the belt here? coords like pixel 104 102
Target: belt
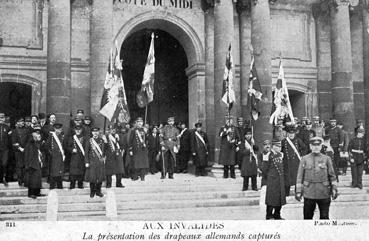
pixel 357 151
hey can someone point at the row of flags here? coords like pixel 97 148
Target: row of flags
pixel 114 104
pixel 114 101
pixel 281 103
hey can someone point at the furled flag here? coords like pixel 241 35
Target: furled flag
pixel 254 91
pixel 228 95
pixel 114 101
pixel 149 73
pixel 282 106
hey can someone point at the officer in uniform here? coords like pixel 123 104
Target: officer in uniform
pixel 336 137
pixel 357 148
pixel 200 150
pixel 76 144
pixel 20 137
pixel 5 135
pixel 318 127
pixel 228 145
pixel 241 129
pixel 169 147
pixel 316 181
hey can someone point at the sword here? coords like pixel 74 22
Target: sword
pixel 162 157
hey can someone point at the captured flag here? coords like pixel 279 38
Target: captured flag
pixel 114 102
pixel 254 91
pixel 281 103
pixel 149 73
pixel 228 95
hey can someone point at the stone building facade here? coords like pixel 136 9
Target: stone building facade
pixel 60 48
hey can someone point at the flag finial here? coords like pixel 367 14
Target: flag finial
pixel 152 35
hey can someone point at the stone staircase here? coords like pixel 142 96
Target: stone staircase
pixel 184 198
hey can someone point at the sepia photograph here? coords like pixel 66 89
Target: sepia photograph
pixel 195 115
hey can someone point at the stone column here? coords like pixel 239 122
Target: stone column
pixel 365 9
pixel 223 36
pixel 342 88
pixel 209 125
pixel 58 60
pixel 243 8
pixel 101 37
pixel 324 75
pixel 262 48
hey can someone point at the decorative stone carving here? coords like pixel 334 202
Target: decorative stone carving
pixel 37 36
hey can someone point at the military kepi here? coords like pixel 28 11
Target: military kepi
pixel 316 141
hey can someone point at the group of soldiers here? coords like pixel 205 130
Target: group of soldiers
pixel 304 155
pixel 43 148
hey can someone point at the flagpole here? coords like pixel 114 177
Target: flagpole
pixel 146 112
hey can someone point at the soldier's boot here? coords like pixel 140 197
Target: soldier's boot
pixel 226 170
pixel 277 213
pixel 203 171
pixel 92 189
pixel 108 181
pixel 119 181
pixel 59 183
pixel 162 175
pixel 197 171
pixel 98 190
pixel 269 213
pixel 72 184
pixel 170 175
pixel 245 184
pixel 80 184
pixel 233 173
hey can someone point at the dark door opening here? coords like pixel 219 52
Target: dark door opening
pixel 15 100
pixel 171 82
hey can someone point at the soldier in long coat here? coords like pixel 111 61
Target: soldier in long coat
pixel 5 137
pixel 153 145
pixel 228 143
pixel 249 169
pixel 95 162
pixel 200 150
pixel 357 149
pixel 114 159
pixel 123 142
pixel 263 158
pixel 318 127
pixel 336 137
pixel 56 148
pixel 293 148
pixel 138 152
pixel 241 129
pixel 76 145
pixel 33 163
pixel 185 149
pixel 273 169
pixel 20 137
pixel 169 146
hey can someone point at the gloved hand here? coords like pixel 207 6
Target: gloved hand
pixel 334 193
pixel 87 165
pixel 298 196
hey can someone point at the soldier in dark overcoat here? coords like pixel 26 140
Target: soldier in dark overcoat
pixel 336 137
pixel 76 144
pixel 45 133
pixel 273 169
pixel 95 162
pixel 114 158
pixel 241 129
pixel 184 149
pixel 357 149
pixel 153 145
pixel 55 145
pixel 169 146
pixel 20 137
pixel 5 137
pixel 228 143
pixel 263 158
pixel 200 150
pixel 249 169
pixel 293 148
pixel 137 148
pixel 33 162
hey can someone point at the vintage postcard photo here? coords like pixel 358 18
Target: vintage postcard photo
pixel 184 119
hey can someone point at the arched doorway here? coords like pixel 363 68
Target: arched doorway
pixel 192 45
pixel 15 99
pixel 171 82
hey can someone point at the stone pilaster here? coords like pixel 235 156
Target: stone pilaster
pixel 58 60
pixel 262 48
pixel 243 9
pixel 223 36
pixel 101 37
pixel 365 15
pixel 342 87
pixel 208 8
